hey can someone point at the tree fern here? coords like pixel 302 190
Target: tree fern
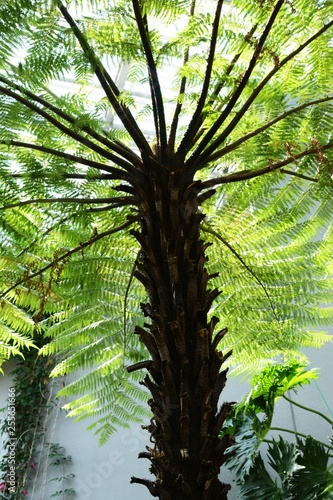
pixel 105 230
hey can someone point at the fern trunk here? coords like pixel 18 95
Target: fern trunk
pixel 185 378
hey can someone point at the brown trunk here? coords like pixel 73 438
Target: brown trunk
pixel 185 377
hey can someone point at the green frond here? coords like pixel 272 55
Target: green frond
pixel 272 273
pixel 111 399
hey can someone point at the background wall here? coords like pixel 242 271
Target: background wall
pixel 103 473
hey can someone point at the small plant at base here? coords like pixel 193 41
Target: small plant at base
pixel 59 459
pixel 302 468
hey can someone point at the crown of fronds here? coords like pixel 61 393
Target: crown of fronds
pixel 251 114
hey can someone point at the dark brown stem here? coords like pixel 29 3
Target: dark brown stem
pixel 44 233
pixel 220 86
pixel 113 145
pixel 66 255
pixel 300 176
pixel 111 90
pixel 239 90
pixel 64 175
pixel 175 119
pixel 241 260
pixel 196 121
pixel 66 130
pixel 271 167
pixel 155 87
pixel 117 201
pixel 234 145
pixel 117 174
pixel 203 158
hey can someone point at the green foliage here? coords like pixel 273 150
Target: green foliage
pixel 274 381
pixel 274 279
pixel 24 426
pixel 250 420
pixel 303 471
pixel 58 458
pixel 262 138
pixel 23 421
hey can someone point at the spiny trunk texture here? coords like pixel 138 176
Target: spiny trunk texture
pixel 184 374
